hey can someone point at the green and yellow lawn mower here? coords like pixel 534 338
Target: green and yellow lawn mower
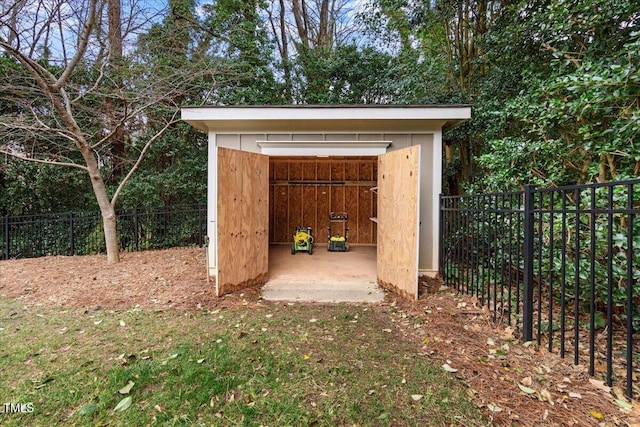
pixel 338 242
pixel 302 240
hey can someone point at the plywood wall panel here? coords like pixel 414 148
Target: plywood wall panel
pixel 351 170
pixel 324 170
pixel 271 212
pixel 281 170
pixel 309 170
pixel 374 214
pixel 295 171
pixel 337 198
pixel 398 204
pixel 309 212
pixel 323 206
pixel 337 170
pixel 311 203
pixel 242 219
pixel 295 207
pixel 365 171
pixel 281 214
pixel 352 208
pixel 365 212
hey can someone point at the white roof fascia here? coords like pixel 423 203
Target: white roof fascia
pixel 340 118
pixel 326 113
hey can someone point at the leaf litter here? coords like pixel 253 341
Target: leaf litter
pixel 448 329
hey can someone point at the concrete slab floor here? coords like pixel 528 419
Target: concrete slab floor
pixel 323 276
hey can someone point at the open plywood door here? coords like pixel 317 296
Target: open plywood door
pixel 398 220
pixel 242 220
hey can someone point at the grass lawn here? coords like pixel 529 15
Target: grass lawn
pixel 274 365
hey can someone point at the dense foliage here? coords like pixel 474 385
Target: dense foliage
pixel 555 87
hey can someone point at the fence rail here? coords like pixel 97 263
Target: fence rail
pixel 561 265
pixel 81 233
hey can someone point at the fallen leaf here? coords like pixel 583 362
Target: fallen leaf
pixel 97 322
pixel 490 341
pixel 124 404
pixel 527 381
pixel 619 394
pixel 526 390
pixel 595 414
pixel 126 389
pixel 416 397
pixel 575 395
pixel 313 320
pixel 448 368
pixel 546 396
pixel 200 361
pixel 122 323
pixel 158 408
pixel 623 404
pixel 494 408
pixel 89 409
pixel 507 334
pixel 600 385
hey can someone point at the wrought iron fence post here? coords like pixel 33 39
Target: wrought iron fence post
pixel 72 234
pixel 202 224
pixel 527 300
pixel 440 238
pixel 7 239
pixel 136 238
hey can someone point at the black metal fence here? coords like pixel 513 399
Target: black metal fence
pixel 561 265
pixel 81 233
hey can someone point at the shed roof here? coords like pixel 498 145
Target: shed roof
pixel 338 118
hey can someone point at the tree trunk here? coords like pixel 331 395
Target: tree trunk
pixel 110 234
pixel 114 12
pixel 602 171
pixel 284 53
pixel 107 209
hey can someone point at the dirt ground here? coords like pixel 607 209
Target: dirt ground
pixel 512 383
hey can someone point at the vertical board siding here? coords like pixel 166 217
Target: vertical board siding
pixel 243 215
pixel 309 204
pixel 280 222
pixel 398 196
pixel 323 207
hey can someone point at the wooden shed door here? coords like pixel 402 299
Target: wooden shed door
pixel 242 220
pixel 398 220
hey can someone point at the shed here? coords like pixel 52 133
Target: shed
pixel 274 167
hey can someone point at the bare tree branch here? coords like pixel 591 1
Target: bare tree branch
pixel 82 47
pixel 46 162
pixel 174 119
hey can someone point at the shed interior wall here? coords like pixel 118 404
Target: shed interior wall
pixel 304 190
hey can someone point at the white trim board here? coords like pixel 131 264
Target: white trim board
pixel 323 148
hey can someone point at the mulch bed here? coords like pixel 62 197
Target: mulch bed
pixel 513 384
